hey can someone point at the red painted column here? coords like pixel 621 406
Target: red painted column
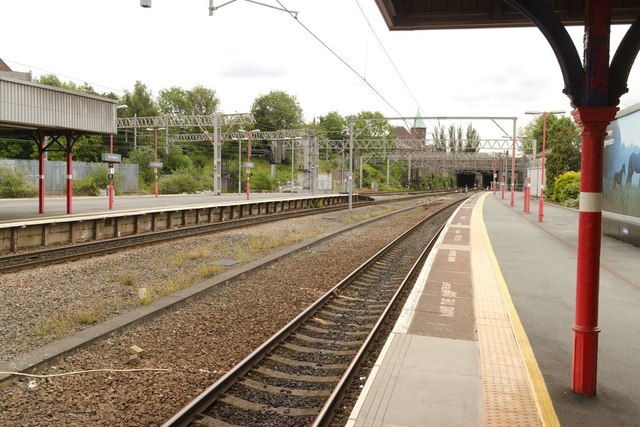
pixel 503 168
pixel 513 173
pixel 594 121
pixel 41 151
pixel 248 161
pixel 593 116
pixel 69 176
pixel 111 173
pixel 495 176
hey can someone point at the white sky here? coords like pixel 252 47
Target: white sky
pixel 246 50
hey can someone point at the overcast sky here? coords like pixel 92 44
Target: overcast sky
pixel 246 50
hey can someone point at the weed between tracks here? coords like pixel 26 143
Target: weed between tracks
pixel 166 275
pixel 357 217
pixel 60 322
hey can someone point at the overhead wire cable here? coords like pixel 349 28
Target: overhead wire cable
pixel 388 56
pixel 93 85
pixel 339 58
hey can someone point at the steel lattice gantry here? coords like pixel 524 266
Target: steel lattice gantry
pixel 419 154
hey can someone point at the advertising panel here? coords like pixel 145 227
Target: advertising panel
pixel 621 178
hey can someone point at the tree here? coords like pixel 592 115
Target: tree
pixel 365 128
pixel 173 102
pixel 439 138
pixel 139 102
pixel 203 100
pixel 176 101
pixel 473 139
pixel 276 110
pixel 333 126
pixel 563 146
pixel 451 139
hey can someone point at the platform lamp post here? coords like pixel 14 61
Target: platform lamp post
pixel 293 151
pixel 544 150
pixel 119 107
pixel 248 165
pixel 155 163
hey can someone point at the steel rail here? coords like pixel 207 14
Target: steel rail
pixel 209 396
pixel 32 259
pixel 326 413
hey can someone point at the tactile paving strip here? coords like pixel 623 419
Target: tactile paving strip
pixel 507 395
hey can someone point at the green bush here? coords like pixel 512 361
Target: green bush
pixel 566 187
pixel 177 183
pixel 15 185
pixel 86 186
pixel 261 180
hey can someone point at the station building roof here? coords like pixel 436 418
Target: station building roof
pixel 25 105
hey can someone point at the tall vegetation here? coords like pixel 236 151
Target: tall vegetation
pixel 453 139
pixel 562 143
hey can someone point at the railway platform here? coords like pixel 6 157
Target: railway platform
pixel 485 338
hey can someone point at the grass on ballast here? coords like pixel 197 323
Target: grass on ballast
pixel 127 278
pixel 354 217
pixel 61 321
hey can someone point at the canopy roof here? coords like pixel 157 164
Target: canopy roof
pixel 458 14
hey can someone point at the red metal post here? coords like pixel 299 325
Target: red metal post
pixel 594 122
pixel 69 175
pixel 41 152
pixel 544 148
pixel 155 159
pixel 248 161
pixel 503 171
pixel 528 196
pixel 593 118
pixel 111 174
pixel 524 198
pixel 513 173
pixel 495 176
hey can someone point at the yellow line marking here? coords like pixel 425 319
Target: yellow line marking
pixel 542 397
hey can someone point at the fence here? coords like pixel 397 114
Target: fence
pixel 55 173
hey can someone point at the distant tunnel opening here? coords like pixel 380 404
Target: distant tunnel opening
pixel 486 180
pixel 467 179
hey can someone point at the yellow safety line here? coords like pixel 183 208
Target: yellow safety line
pixel 541 394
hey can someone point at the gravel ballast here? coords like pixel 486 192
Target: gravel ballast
pixel 186 350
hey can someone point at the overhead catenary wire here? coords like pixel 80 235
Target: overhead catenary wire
pixel 93 85
pixel 339 58
pixel 389 57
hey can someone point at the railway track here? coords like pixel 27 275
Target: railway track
pixel 40 258
pixel 298 376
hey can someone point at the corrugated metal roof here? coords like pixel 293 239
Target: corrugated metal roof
pixel 35 106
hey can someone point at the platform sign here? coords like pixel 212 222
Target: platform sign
pixel 156 165
pixel 248 164
pixel 111 158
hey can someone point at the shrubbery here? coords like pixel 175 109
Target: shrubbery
pixel 91 184
pixel 15 185
pixel 566 189
pixel 183 181
pixel 261 180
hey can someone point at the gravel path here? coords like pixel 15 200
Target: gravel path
pixel 186 350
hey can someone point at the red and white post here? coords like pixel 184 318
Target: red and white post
pixel 594 122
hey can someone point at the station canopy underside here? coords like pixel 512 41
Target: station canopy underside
pixel 28 107
pixel 469 14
